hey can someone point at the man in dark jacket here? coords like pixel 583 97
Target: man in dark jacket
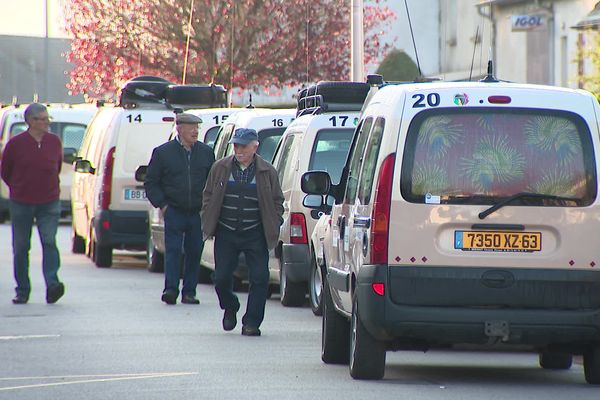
pixel 174 183
pixel 242 208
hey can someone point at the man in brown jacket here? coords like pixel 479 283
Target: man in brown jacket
pixel 242 205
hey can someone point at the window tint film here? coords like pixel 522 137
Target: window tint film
pixel 478 156
pixel 330 151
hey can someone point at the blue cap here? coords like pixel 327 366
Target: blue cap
pixel 243 136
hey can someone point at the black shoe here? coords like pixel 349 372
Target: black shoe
pixel 250 331
pixel 54 293
pixel 188 299
pixel 229 320
pixel 169 297
pixel 20 299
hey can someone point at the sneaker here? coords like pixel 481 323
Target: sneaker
pixel 229 320
pixel 250 331
pixel 54 293
pixel 169 297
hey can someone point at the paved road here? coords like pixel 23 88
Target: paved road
pixel 111 337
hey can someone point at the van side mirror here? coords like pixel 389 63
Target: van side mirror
pixel 84 166
pixel 315 182
pixel 140 173
pixel 69 155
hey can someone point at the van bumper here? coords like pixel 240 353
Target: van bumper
pixel 296 261
pixel 416 325
pixel 122 229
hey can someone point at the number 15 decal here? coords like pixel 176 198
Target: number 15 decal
pixel 421 101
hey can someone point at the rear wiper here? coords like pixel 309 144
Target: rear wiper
pixel 521 195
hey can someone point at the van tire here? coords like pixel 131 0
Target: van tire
pixel 156 260
pixel 367 354
pixel 102 255
pixel 315 286
pixel 77 242
pixel 591 364
pixel 335 332
pixel 555 360
pixel 293 294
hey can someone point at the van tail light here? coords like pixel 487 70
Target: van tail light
pixel 381 211
pixel 298 229
pixel 106 189
pixel 378 288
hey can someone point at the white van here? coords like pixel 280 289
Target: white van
pixel 270 125
pixel 110 209
pixel 467 213
pixel 319 139
pixel 68 122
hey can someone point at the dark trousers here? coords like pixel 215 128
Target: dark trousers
pixel 46 217
pixel 183 234
pixel 228 246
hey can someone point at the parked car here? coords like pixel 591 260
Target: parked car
pixel 467 213
pixel 68 122
pixel 318 139
pixel 110 209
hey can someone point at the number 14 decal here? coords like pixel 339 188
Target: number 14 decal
pixel 131 118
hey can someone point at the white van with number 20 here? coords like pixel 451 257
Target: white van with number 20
pixel 467 213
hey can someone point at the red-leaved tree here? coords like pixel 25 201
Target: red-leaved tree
pixel 236 43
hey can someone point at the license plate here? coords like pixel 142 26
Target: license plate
pixel 135 194
pixel 498 241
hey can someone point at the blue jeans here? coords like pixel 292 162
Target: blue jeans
pixel 46 217
pixel 183 231
pixel 228 245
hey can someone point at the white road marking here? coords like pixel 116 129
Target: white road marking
pixel 28 337
pixel 108 378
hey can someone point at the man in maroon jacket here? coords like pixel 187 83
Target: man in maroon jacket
pixel 31 163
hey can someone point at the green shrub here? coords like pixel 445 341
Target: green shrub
pixel 398 66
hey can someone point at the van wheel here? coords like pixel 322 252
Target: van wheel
pixel 335 332
pixel 102 255
pixel 555 360
pixel 77 242
pixel 292 294
pixel 367 354
pixel 205 275
pixel 156 260
pixel 315 287
pixel 591 364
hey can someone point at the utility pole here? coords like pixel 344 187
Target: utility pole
pixel 357 42
pixel 46 66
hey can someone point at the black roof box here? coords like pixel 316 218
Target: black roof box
pixel 332 96
pixel 196 96
pixel 143 90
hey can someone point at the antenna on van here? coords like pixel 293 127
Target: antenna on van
pixel 490 71
pixel 413 39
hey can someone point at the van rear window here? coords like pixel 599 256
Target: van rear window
pixel 477 156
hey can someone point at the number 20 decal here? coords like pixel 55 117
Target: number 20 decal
pixel 421 101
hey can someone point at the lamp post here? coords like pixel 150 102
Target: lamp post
pixel 357 42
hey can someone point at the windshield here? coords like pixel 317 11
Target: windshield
pixel 481 156
pixel 330 151
pixel 71 134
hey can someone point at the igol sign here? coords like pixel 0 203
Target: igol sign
pixel 528 22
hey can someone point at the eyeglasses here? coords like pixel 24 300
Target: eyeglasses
pixel 46 119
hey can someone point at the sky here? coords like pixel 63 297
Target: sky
pixel 27 18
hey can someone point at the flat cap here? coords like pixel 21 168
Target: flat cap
pixel 187 118
pixel 243 136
